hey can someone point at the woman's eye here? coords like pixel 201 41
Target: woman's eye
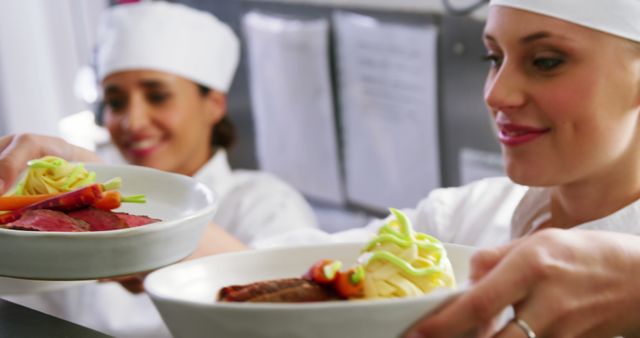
pixel 547 63
pixel 157 98
pixel 115 104
pixel 494 59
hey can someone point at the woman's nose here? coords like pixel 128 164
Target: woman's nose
pixel 137 116
pixel 505 88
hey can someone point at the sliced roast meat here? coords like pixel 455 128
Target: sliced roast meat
pixel 135 220
pixel 99 220
pixel 289 290
pixel 48 220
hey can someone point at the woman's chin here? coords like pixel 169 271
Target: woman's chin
pixel 148 161
pixel 529 178
pixel 149 157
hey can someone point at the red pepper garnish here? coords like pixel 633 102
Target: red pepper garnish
pixel 323 271
pixel 350 284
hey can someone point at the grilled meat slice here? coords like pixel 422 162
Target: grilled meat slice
pixel 48 220
pixel 99 220
pixel 135 220
pixel 289 290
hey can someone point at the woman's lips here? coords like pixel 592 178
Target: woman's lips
pixel 512 135
pixel 143 148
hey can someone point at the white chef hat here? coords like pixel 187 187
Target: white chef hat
pixel 167 37
pixel 617 17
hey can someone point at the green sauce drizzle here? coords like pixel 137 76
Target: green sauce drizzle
pixel 405 237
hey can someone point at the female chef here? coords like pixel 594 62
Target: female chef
pixel 564 92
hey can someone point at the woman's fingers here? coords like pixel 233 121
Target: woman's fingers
pixel 15 151
pixel 4 142
pixel 501 286
pixel 503 278
pixel 484 260
pixel 132 283
pixel 534 315
pixel 517 328
pixel 562 283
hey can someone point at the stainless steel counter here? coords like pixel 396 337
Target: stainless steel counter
pixel 22 322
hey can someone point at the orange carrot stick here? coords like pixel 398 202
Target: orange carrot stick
pixel 16 202
pixel 110 200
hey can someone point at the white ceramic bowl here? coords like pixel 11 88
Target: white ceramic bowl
pixel 184 205
pixel 185 296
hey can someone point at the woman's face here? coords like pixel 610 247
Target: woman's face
pixel 565 99
pixel 160 120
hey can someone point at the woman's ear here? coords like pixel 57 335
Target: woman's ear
pixel 215 106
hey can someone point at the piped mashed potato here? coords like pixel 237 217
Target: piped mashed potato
pixel 400 262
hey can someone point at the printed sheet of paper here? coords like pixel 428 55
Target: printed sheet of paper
pixel 291 93
pixel 388 106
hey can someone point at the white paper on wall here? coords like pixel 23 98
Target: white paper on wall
pixel 291 94
pixel 388 106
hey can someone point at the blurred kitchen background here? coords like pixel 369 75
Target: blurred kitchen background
pixel 359 104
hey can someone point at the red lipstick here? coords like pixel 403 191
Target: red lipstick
pixel 512 135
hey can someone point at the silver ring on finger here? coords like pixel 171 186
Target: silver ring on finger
pixel 525 327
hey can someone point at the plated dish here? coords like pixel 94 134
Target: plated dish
pixel 185 295
pixel 58 196
pixel 182 205
pixel 397 262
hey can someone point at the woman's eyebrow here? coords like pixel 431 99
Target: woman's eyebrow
pixel 152 84
pixel 530 37
pixel 535 36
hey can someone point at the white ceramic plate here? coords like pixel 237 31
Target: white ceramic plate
pixel 184 205
pixel 185 296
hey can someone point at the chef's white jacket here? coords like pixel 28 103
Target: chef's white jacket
pixel 484 213
pixel 252 205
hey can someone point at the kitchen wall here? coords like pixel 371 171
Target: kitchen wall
pixel 467 148
pixel 42 45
